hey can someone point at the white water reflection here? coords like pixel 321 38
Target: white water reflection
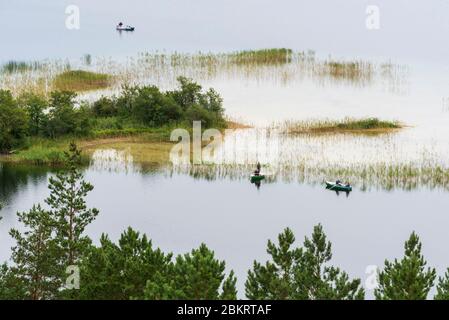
pixel 113 160
pixel 276 149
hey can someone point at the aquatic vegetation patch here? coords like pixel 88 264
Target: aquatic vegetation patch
pixel 80 80
pixel 347 69
pixel 381 176
pixel 357 126
pixel 262 56
pixel 279 65
pixel 14 66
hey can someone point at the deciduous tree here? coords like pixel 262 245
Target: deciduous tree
pixel 13 122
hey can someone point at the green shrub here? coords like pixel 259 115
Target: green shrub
pixel 13 122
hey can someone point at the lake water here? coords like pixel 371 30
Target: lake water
pixel 410 29
pixel 235 218
pixel 179 209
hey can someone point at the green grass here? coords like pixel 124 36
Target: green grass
pixel 365 125
pixel 50 152
pixel 41 151
pixel 353 70
pixel 47 151
pixel 40 155
pixel 79 80
pixel 157 133
pixel 263 56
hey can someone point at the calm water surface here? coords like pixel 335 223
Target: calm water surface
pixel 235 218
pixel 411 29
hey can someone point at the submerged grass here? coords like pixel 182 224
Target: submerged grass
pixel 14 66
pixel 262 56
pixel 80 80
pixel 347 125
pixel 407 176
pixel 148 150
pixel 349 70
pixel 279 65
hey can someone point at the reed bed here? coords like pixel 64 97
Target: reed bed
pixel 14 66
pixel 33 80
pixel 380 176
pixel 80 80
pixel 306 159
pixel 347 125
pixel 279 66
pixel 273 56
pixel 373 177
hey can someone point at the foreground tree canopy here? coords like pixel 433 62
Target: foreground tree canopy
pixel 301 273
pixel 407 279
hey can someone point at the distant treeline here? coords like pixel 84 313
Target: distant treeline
pixel 31 115
pixel 54 259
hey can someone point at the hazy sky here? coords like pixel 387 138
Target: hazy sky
pixel 35 29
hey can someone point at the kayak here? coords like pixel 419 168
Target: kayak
pixel 337 187
pixel 255 178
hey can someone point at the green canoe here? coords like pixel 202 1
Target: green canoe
pixel 255 178
pixel 337 187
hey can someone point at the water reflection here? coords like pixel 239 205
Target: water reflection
pixel 287 159
pixel 113 160
pixel 14 177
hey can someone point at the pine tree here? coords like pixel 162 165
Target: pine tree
pixel 121 271
pixel 275 279
pixel 53 239
pixel 316 280
pixel 229 291
pixel 69 211
pixel 406 279
pixel 11 287
pixel 196 275
pixel 35 256
pixel 300 273
pixel 199 275
pixel 443 287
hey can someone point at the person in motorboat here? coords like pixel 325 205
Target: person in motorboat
pixel 121 26
pixel 257 171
